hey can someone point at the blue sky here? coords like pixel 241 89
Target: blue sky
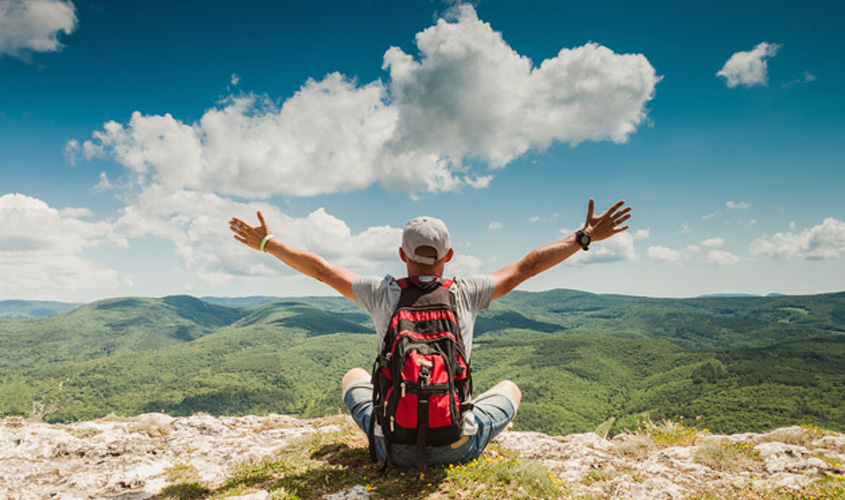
pixel 131 131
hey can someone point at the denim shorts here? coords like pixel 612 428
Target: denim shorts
pixel 493 411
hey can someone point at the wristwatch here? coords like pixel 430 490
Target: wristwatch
pixel 583 239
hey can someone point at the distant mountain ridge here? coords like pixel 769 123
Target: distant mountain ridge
pixel 33 308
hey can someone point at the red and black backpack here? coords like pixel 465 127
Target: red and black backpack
pixel 421 377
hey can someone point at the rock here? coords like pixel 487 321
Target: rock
pixel 355 493
pixel 129 459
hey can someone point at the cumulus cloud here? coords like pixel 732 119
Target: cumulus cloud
pixel 737 205
pixel 464 265
pixel 34 25
pixel 823 241
pixel 713 242
pixel 615 249
pixel 195 223
pixel 468 95
pixel 42 250
pixel 494 225
pixel 749 68
pixel 642 234
pixel 665 254
pixel 721 258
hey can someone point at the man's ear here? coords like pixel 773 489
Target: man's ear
pixel 449 255
pixel 402 255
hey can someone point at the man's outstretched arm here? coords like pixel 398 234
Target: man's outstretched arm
pixel 307 263
pixel 598 227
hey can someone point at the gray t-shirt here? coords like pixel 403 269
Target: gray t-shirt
pixel 379 297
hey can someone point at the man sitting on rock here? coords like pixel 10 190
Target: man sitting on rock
pixel 425 251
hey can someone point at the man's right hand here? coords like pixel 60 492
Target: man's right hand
pixel 607 224
pixel 251 236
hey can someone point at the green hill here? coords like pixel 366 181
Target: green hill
pixel 741 363
pixel 106 328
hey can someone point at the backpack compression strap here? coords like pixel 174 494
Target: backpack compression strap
pixel 406 282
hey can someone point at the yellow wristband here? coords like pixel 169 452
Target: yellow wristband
pixel 264 242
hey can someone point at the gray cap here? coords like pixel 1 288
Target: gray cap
pixel 425 231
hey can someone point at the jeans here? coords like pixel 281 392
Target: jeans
pixel 493 411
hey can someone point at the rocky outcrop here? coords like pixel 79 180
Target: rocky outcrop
pixel 636 467
pixel 136 458
pixel 132 459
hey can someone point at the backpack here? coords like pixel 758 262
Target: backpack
pixel 422 382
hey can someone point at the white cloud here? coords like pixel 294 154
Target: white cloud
pixel 234 79
pixel 472 95
pixel 34 25
pixel 737 205
pixel 721 258
pixel 823 241
pixel 615 249
pixel 196 224
pixel 709 216
pixel 535 218
pixel 495 225
pixel 807 78
pixel 463 265
pixel 713 242
pixel 71 149
pixel 642 234
pixel 685 229
pixel 749 68
pixel 468 95
pixel 41 250
pixel 665 254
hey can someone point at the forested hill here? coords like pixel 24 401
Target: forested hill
pixel 740 363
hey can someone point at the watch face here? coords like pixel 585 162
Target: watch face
pixel 585 239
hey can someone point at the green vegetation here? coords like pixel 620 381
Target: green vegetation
pixel 729 456
pixel 582 360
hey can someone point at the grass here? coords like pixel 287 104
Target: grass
pixel 730 456
pixel 802 435
pixel 182 473
pixel 185 491
pixel 668 433
pixel 650 436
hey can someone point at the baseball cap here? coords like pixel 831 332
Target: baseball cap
pixel 425 231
